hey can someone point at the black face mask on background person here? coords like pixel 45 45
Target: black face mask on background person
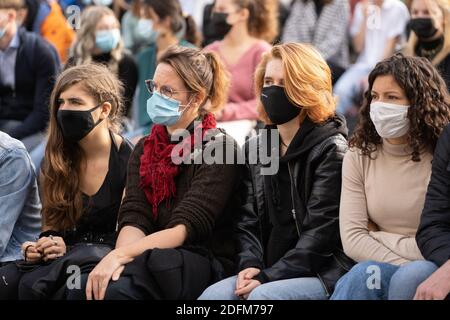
pixel 220 25
pixel 277 105
pixel 76 124
pixel 423 27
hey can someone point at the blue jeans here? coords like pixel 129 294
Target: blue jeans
pixel 290 289
pixel 349 85
pixel 371 280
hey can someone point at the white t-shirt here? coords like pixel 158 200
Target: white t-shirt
pixel 195 9
pixel 383 24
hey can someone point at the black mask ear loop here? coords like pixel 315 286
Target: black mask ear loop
pixel 93 109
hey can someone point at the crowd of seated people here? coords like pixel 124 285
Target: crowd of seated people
pixel 227 149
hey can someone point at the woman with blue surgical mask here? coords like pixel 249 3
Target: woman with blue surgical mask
pixel 99 40
pixel 137 29
pixel 169 27
pixel 385 176
pixel 176 219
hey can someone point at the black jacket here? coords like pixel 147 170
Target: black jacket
pixel 433 235
pixel 37 66
pixel 314 159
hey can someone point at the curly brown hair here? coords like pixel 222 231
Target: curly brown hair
pixel 429 110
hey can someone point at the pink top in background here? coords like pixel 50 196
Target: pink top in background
pixel 241 98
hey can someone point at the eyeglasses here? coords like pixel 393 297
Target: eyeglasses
pixel 165 91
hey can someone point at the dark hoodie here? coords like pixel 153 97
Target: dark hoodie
pixel 283 235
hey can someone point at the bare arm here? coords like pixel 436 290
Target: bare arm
pixel 168 238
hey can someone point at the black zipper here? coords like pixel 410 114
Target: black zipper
pixel 294 214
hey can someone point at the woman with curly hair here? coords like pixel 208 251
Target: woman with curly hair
pixel 385 176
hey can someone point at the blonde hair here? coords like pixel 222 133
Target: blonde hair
pixel 307 81
pixel 444 6
pixel 200 72
pixel 263 18
pixel 85 43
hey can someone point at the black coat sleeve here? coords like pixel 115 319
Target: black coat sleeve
pixel 320 230
pixel 250 250
pixel 46 69
pixel 433 235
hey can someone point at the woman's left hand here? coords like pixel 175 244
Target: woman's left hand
pixel 245 291
pixel 109 268
pixel 51 247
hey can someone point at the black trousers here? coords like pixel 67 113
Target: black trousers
pixel 9 281
pixel 169 274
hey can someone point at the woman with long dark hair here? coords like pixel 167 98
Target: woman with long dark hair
pixel 82 179
pixel 385 178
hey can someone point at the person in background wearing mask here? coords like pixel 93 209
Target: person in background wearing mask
pixel 176 220
pixel 99 41
pixel 82 179
pixel 385 177
pixel 171 27
pixel 377 27
pixel 28 67
pixel 247 27
pixel 287 228
pixel 137 30
pixel 430 34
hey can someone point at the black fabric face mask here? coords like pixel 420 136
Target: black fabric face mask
pixel 423 27
pixel 220 25
pixel 277 105
pixel 76 124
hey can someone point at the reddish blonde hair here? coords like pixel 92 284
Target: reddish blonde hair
pixel 307 81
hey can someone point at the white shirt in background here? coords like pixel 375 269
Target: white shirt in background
pixel 383 24
pixel 195 9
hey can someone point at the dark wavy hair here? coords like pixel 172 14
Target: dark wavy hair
pixel 429 99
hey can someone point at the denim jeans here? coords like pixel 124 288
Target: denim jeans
pixel 371 280
pixel 290 289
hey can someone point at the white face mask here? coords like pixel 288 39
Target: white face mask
pixel 390 120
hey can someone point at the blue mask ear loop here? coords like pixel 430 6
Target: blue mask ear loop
pixel 185 106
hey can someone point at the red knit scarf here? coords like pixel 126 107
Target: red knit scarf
pixel 157 170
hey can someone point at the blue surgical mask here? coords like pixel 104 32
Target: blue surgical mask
pixel 144 31
pixel 163 110
pixel 107 40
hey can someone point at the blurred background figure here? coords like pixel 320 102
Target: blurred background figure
pixel 170 26
pixel 137 30
pixel 324 24
pixel 430 33
pixel 28 67
pixel 45 17
pixel 377 29
pixel 99 40
pixel 210 34
pixel 247 28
